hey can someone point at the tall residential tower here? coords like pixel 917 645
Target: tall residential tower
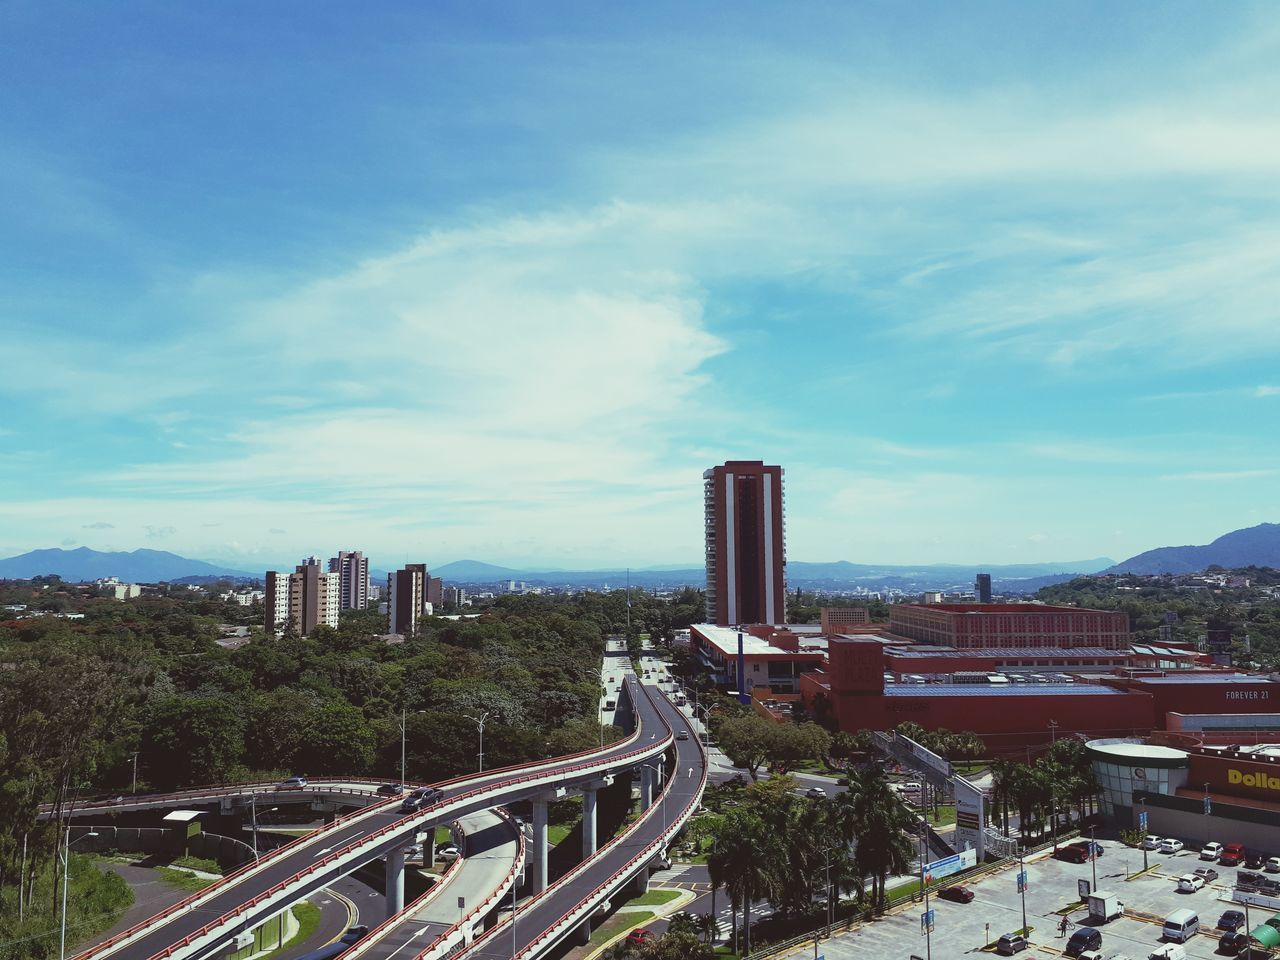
pixel 352 568
pixel 745 550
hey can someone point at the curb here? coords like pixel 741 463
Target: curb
pixel 659 912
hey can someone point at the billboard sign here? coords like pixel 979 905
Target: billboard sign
pixel 949 865
pixel 927 756
pixel 970 816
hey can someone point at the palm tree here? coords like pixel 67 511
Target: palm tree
pixel 744 859
pixel 708 925
pixel 683 922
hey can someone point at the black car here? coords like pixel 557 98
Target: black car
pixel 391 790
pixel 1231 920
pixel 411 804
pixel 956 894
pixel 1233 942
pixel 1254 861
pixel 354 934
pixel 1085 939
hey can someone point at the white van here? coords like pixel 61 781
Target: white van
pixel 1181 925
pixel 1168 951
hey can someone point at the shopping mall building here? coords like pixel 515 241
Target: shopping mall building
pixel 1195 792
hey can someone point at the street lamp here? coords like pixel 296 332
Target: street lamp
pixel 404 717
pixel 1053 793
pixel 134 788
pixel 66 881
pixel 480 722
pixel 253 809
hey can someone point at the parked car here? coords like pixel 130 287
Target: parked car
pixel 1170 845
pixel 1190 883
pixel 1168 951
pixel 956 894
pixel 1080 851
pixel 391 790
pixel 639 936
pixel 1232 942
pixel 1150 842
pixel 1231 920
pixel 1086 938
pixel 448 852
pixel 1211 851
pixel 1011 943
pixel 815 793
pixel 1207 874
pixel 1272 865
pixel 1254 861
pixel 1232 855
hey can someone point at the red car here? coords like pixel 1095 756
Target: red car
pixel 638 936
pixel 1232 855
pixel 956 894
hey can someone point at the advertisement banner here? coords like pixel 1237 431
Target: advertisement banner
pixel 970 816
pixel 949 865
pixel 927 756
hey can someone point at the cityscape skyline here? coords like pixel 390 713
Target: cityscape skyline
pixel 994 285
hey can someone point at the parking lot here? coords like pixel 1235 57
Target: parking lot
pixel 962 929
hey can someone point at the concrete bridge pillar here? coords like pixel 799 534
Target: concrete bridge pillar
pixel 646 787
pixel 640 883
pixel 590 818
pixel 395 882
pixel 538 855
pixel 581 934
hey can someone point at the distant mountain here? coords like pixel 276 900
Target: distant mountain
pixel 140 566
pixel 840 575
pixel 1251 547
pixel 474 571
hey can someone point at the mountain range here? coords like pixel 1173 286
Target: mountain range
pixel 1251 547
pixel 138 566
pixel 1254 546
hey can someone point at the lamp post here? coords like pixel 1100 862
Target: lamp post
pixel 134 787
pixel 924 885
pixel 1093 857
pixel 480 722
pixel 1053 794
pixel 253 809
pixel 66 881
pixel 1206 813
pixel 1144 836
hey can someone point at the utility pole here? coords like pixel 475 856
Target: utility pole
pixel 1022 889
pixel 924 886
pixel 134 788
pixel 479 722
pixel 1093 857
pixel 1053 794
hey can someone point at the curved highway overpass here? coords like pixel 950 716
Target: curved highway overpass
pixel 209 922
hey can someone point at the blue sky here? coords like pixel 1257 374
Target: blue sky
pixel 994 282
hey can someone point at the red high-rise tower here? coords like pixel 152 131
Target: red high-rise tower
pixel 745 551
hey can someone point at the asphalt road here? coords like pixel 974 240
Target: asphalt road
pixel 541 913
pixel 225 897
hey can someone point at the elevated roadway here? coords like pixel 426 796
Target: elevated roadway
pixel 209 922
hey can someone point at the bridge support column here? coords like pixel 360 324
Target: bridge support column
pixel 538 855
pixel 581 934
pixel 590 818
pixel 395 882
pixel 646 787
pixel 640 883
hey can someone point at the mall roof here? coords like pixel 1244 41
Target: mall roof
pixel 1013 690
pixel 726 640
pixel 1149 754
pixel 1007 653
pixel 1197 677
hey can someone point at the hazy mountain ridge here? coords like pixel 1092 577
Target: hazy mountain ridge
pixel 1257 546
pixel 138 566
